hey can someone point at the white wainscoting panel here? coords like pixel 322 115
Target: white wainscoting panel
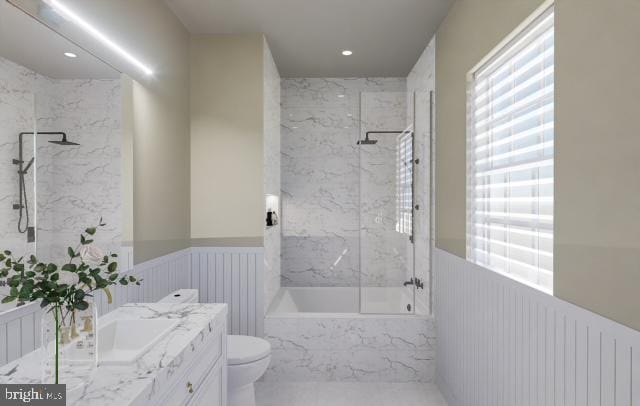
pixel 20 327
pixel 502 343
pixel 160 276
pixel 233 276
pixel 222 275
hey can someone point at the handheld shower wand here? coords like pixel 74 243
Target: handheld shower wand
pixel 23 205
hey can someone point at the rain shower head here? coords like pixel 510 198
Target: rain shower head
pixel 64 141
pixel 367 141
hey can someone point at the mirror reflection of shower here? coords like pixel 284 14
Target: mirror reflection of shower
pixel 23 203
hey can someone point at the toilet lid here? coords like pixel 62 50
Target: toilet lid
pixel 245 349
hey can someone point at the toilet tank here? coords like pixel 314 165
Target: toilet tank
pixel 181 296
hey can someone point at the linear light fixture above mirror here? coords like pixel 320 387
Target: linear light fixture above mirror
pixel 71 15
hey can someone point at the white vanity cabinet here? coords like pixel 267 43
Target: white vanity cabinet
pixel 202 380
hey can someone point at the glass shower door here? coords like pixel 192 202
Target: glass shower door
pixel 387 280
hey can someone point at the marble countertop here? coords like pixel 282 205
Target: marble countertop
pixel 135 384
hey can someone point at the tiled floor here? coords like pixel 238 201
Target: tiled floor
pixel 347 394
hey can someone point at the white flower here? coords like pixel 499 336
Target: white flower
pixel 90 253
pixel 68 278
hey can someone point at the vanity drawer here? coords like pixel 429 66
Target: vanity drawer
pixel 186 386
pixel 210 392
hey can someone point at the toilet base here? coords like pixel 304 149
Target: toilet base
pixel 242 396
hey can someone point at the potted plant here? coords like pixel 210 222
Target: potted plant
pixel 63 289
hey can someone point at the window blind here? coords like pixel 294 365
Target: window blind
pixel 404 183
pixel 510 144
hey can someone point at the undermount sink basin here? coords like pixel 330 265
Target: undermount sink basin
pixel 123 341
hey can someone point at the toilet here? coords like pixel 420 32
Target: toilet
pixel 247 357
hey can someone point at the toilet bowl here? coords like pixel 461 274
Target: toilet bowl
pixel 247 357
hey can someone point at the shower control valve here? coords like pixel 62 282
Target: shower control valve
pixel 415 281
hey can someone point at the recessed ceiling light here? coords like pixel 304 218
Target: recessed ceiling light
pixel 68 13
pixel 346 52
pixel 341 96
pixel 70 55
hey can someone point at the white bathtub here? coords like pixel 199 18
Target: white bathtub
pixel 319 334
pixel 374 300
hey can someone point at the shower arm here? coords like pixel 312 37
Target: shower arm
pixel 20 161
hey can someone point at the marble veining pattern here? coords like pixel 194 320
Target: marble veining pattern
pixel 367 348
pixel 320 171
pixel 75 185
pixel 420 82
pixel 78 185
pixel 386 255
pixel 141 381
pixel 272 235
pixel 17 104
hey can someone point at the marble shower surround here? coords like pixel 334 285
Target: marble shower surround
pixel 75 185
pixel 320 173
pixel 386 255
pixel 329 347
pixel 17 105
pixel 420 82
pixel 271 112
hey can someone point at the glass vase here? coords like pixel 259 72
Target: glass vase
pixel 69 341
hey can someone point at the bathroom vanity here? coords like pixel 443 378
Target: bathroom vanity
pixel 185 366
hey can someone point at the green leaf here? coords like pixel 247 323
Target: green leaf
pixel 7 253
pixel 71 253
pixel 8 299
pixel 52 268
pixel 18 267
pixel 79 295
pixel 2 257
pixel 123 281
pixel 91 230
pixel 113 277
pixel 82 305
pixel 69 267
pixel 112 267
pixel 55 277
pixel 132 279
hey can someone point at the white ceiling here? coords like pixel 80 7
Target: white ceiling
pixel 29 43
pixel 307 36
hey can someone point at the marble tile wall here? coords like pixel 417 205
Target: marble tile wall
pixel 272 236
pixel 420 82
pixel 319 172
pixel 368 348
pixel 386 255
pixel 17 104
pixel 75 185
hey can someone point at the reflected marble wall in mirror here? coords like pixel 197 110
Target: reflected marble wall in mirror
pixel 53 91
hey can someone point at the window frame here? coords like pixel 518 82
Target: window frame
pixel 506 49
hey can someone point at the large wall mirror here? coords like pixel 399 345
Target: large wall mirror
pixel 65 143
